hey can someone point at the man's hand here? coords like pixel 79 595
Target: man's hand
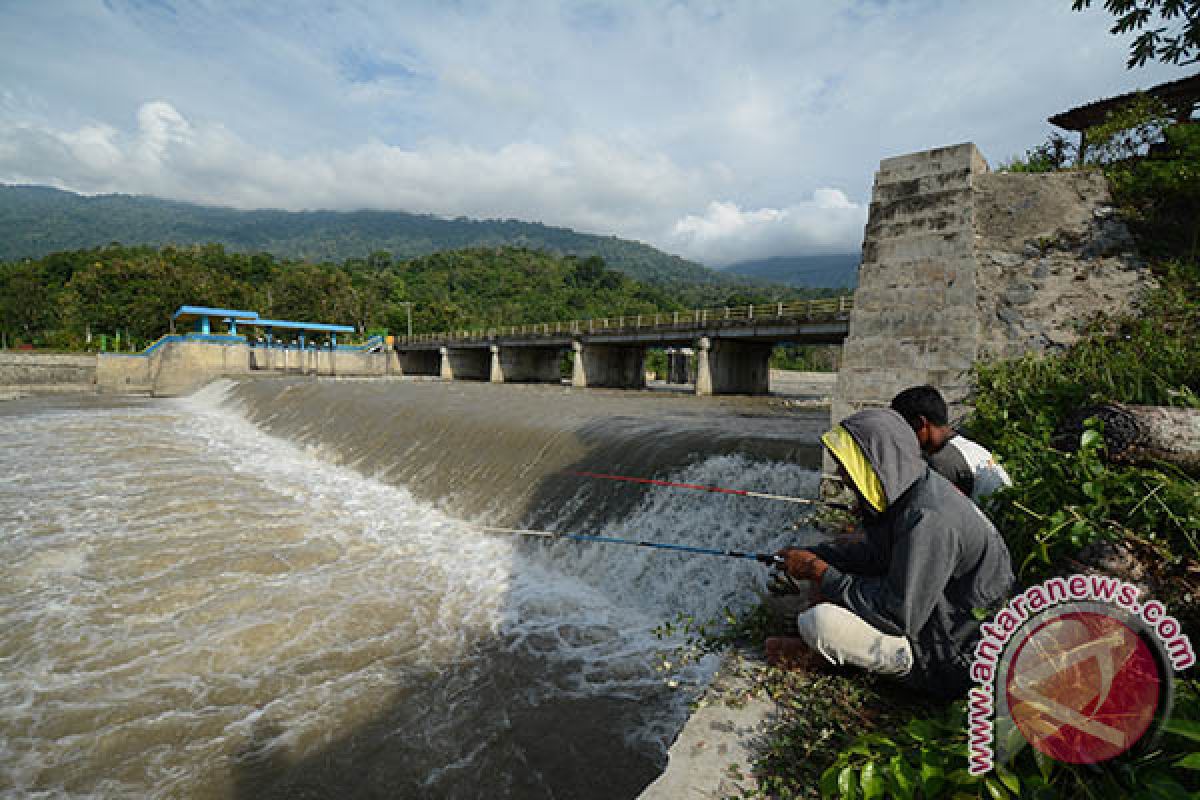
pixel 803 565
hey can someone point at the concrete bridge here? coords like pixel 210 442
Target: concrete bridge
pixel 732 345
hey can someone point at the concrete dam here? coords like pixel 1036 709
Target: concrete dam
pixel 288 576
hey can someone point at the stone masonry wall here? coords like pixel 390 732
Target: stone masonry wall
pixel 1051 253
pixel 961 264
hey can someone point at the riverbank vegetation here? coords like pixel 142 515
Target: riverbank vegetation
pixel 58 300
pixel 849 736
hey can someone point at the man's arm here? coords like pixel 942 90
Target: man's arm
pixel 851 555
pixel 900 602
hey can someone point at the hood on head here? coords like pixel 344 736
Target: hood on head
pixel 880 452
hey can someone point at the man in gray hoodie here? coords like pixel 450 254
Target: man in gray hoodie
pixel 901 600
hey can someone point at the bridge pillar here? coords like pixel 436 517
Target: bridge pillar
pixel 727 366
pixel 578 376
pixel 446 371
pixel 495 368
pixel 611 365
pixel 704 382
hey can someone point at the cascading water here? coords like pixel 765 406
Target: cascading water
pixel 280 589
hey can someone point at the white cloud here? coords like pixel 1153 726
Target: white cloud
pixel 586 182
pixel 705 129
pixel 725 234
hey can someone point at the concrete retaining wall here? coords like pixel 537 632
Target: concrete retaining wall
pixel 47 371
pixel 178 366
pixel 323 362
pixel 125 374
pixel 185 366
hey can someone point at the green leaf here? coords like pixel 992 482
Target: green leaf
pixel 1009 779
pixel 904 776
pixel 1190 761
pixel 921 729
pixel 933 777
pixel 847 783
pixel 995 788
pixel 829 781
pixel 872 781
pixel 960 777
pixel 1184 727
pixel 1045 764
pixel 1090 439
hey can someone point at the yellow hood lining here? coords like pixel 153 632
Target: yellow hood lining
pixel 843 447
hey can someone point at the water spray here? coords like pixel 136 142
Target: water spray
pixel 718 489
pixel 764 558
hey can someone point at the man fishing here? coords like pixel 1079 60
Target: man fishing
pixel 901 600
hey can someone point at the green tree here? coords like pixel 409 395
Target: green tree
pixel 27 306
pixel 1175 41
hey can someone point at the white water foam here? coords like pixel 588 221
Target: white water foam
pixel 187 593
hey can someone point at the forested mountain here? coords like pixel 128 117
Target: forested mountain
pixel 36 221
pixel 57 300
pixel 838 270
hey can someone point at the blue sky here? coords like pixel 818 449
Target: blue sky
pixel 720 131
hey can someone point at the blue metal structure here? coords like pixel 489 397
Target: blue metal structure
pixel 271 325
pixel 202 316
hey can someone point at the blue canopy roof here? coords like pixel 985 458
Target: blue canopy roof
pixel 297 326
pixel 195 312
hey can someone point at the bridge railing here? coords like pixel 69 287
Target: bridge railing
pixel 724 316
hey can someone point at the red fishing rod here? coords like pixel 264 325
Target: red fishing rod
pixel 717 489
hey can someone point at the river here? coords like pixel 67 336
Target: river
pixel 280 588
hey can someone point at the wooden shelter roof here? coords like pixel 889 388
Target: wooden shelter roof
pixel 1181 96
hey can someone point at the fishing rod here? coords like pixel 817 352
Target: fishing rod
pixel 764 558
pixel 718 489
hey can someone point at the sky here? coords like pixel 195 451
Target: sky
pixel 718 131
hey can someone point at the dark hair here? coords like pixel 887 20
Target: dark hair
pixel 921 401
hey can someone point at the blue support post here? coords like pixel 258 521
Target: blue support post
pixel 204 327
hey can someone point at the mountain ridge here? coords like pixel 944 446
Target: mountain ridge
pixel 38 220
pixel 836 270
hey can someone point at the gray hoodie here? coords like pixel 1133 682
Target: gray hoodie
pixel 928 559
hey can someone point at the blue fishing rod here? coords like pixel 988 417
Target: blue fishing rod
pixel 764 558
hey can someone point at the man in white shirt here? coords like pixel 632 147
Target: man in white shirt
pixel 966 464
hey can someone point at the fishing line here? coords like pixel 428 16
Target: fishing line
pixel 717 489
pixel 764 558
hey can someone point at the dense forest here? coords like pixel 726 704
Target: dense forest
pixel 36 221
pixel 58 300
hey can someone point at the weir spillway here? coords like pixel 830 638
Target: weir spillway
pixel 280 588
